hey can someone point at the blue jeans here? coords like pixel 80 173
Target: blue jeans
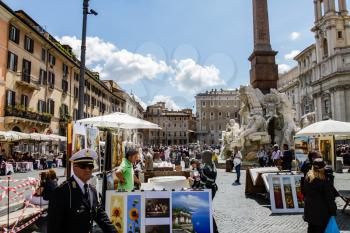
pixel 238 171
pixel 49 164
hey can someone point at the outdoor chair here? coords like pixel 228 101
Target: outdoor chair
pixel 345 195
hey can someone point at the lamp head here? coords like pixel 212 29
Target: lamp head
pixel 93 12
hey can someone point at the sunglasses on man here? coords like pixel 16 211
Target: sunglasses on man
pixel 84 166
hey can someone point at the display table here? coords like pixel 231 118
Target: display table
pixel 166 182
pixel 24 166
pixel 151 174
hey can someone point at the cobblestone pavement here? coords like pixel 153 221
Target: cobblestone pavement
pixel 234 212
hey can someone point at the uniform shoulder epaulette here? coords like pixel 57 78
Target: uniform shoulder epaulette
pixel 63 183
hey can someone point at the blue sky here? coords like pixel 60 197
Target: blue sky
pixel 172 49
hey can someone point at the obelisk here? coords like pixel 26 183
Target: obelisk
pixel 264 71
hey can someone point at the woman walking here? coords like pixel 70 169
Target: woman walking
pixel 319 198
pixel 208 175
pixel 237 160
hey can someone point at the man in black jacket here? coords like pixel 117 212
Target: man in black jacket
pixel 73 205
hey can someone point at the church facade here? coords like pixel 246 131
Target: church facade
pixel 319 87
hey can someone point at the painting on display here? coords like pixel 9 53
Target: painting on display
pixel 134 214
pixel 285 193
pixel 116 209
pixel 157 211
pixel 93 142
pixel 301 145
pixel 117 150
pixel 191 212
pixel 288 195
pixel 300 196
pixel 277 192
pixel 79 137
pixel 326 146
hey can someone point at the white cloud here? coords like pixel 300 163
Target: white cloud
pixel 169 102
pixel 126 67
pixel 294 36
pixel 291 55
pixel 119 65
pixel 192 202
pixel 189 76
pixel 283 68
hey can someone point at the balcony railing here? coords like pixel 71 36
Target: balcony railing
pixel 26 78
pixel 27 81
pixel 22 113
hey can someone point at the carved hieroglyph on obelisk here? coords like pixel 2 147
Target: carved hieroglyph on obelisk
pixel 264 71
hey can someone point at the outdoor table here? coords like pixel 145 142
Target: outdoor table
pixel 9 168
pixel 24 166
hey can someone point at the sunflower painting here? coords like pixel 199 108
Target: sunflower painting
pixel 117 212
pixel 134 214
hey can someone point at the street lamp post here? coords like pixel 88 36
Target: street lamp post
pixel 82 59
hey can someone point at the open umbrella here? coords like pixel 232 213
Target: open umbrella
pixel 328 127
pixel 9 136
pixel 120 121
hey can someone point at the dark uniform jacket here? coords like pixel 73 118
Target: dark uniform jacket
pixel 208 175
pixel 69 211
pixel 319 202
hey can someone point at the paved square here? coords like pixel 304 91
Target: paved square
pixel 234 212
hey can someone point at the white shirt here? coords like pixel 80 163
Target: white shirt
pixel 276 155
pixel 80 183
pixel 261 154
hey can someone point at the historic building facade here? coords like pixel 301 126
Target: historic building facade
pixel 320 85
pixel 214 109
pixel 39 79
pixel 177 126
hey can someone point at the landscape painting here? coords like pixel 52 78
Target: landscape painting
pixel 191 212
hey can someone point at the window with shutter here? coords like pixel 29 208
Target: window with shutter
pixel 51 107
pixel 12 60
pixel 24 101
pixel 28 44
pixel 14 34
pixel 42 77
pixel 26 70
pixel 65 70
pixel 11 98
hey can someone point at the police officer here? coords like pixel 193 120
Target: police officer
pixel 74 205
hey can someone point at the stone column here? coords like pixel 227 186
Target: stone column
pixel 317 7
pixel 326 6
pixel 342 6
pixel 331 5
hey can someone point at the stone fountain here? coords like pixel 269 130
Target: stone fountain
pixel 265 120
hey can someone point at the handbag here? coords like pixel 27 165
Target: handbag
pixel 332 226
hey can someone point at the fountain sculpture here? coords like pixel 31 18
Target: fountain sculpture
pixel 265 120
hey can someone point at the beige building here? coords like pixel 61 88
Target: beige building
pixel 178 127
pixel 214 109
pixel 40 79
pixel 320 85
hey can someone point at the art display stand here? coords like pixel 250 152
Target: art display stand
pixel 256 180
pixel 285 193
pixel 160 211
